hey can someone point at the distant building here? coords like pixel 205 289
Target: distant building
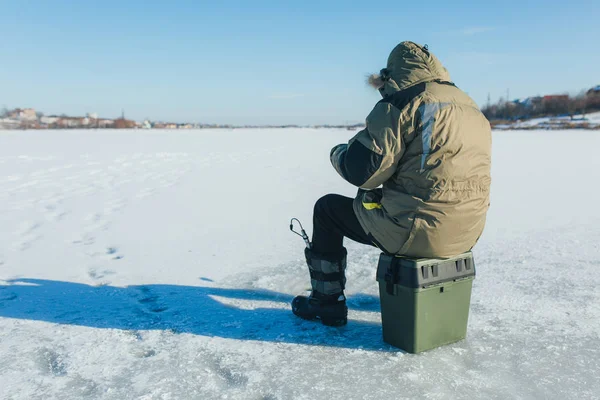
pixel 122 123
pixel 595 91
pixel 105 123
pixel 592 99
pixel 9 123
pixel 555 97
pixel 26 114
pixel 49 120
pixel 530 102
pixel 68 122
pixel 556 105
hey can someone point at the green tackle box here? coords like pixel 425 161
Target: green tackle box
pixel 424 302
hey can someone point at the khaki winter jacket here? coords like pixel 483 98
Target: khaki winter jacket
pixel 429 146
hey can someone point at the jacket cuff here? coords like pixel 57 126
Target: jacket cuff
pixel 336 156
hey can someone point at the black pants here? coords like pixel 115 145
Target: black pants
pixel 334 219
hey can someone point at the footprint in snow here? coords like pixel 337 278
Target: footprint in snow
pixel 7 296
pixel 150 301
pixel 98 276
pixel 51 362
pixel 95 274
pixel 87 239
pixel 112 253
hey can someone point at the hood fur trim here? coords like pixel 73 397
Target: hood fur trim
pixel 376 81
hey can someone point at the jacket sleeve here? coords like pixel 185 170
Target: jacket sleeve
pixel 371 157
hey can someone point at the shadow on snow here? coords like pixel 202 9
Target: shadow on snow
pixel 197 310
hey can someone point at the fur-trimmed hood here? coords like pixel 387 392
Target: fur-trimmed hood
pixel 408 64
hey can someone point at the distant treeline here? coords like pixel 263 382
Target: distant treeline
pixel 545 106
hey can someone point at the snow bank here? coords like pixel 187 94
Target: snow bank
pixel 590 121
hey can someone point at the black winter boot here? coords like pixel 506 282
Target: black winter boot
pixel 327 301
pixel 331 310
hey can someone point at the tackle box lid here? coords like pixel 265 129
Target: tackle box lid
pixel 424 272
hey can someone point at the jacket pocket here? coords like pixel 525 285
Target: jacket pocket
pixel 371 199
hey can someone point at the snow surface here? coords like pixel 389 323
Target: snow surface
pixel 591 120
pixel 159 265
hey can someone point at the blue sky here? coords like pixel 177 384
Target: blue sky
pixel 260 62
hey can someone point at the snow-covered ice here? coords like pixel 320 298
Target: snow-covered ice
pixel 590 120
pixel 159 265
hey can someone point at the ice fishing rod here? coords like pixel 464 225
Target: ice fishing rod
pixel 302 232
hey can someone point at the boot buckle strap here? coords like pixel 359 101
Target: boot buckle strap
pixel 323 277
